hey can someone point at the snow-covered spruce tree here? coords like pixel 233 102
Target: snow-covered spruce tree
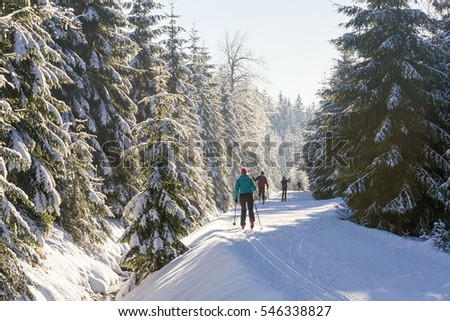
pixel 146 32
pixel 440 235
pixel 289 123
pixel 325 134
pixel 34 141
pixel 15 233
pixel 443 39
pixel 212 135
pixel 231 138
pixel 395 117
pixel 161 213
pixel 322 175
pixel 282 119
pixel 443 36
pixel 36 130
pixel 82 204
pixel 192 167
pixel 299 115
pixel 322 172
pixel 175 57
pixel 98 55
pixel 299 137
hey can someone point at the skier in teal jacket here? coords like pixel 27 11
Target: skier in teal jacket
pixel 244 189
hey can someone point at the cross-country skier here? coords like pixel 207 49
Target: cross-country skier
pixel 262 184
pixel 284 183
pixel 244 189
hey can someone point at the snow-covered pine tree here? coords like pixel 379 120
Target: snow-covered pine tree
pixel 37 131
pixel 282 121
pixel 289 122
pixel 324 131
pixel 98 55
pixel 34 142
pixel 322 175
pixel 212 125
pixel 443 39
pixel 82 204
pixel 440 234
pixel 192 168
pixel 443 36
pixel 46 166
pixel 15 233
pixel 231 138
pixel 299 134
pixel 176 57
pixel 395 117
pixel 299 115
pixel 146 32
pixel 161 213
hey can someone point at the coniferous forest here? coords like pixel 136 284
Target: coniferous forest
pixel 112 110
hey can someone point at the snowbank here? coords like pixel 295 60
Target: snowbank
pixel 70 273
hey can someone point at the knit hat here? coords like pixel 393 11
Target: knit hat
pixel 243 171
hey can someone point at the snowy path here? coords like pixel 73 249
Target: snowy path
pixel 304 251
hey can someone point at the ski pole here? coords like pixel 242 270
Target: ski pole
pixel 235 209
pixel 257 214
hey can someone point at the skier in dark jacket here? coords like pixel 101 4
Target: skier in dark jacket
pixel 262 184
pixel 284 183
pixel 244 189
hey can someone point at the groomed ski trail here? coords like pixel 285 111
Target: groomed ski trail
pixel 304 251
pixel 316 290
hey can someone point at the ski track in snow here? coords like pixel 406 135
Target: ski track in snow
pixel 303 250
pixel 291 273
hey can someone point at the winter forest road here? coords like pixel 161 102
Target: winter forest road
pixel 302 250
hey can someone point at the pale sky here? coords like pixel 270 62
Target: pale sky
pixel 292 36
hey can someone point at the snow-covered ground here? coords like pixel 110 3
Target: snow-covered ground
pixel 68 273
pixel 304 250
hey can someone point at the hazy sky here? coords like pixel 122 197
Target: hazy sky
pixel 291 35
